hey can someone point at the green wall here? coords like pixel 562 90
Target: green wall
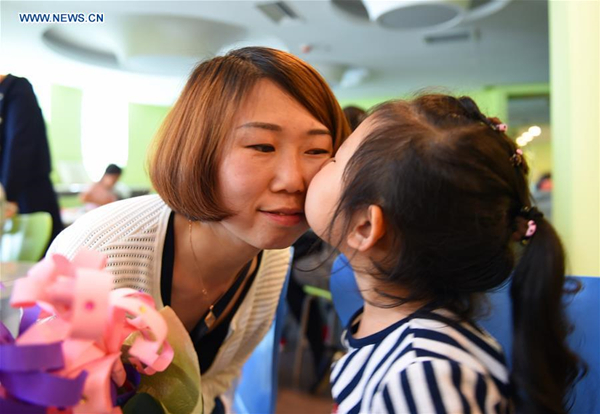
pixel 539 158
pixel 64 132
pixel 575 105
pixel 144 121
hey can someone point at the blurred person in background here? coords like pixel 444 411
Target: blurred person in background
pixel 24 153
pixel 103 192
pixel 542 194
pixel 354 115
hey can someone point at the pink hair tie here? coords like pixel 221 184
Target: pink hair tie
pixel 531 215
pixel 531 228
pixel 501 127
pixel 517 158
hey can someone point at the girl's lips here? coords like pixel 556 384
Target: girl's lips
pixel 288 219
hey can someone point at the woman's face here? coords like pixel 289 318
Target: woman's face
pixel 326 187
pixel 275 149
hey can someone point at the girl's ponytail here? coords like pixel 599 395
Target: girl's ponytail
pixel 544 368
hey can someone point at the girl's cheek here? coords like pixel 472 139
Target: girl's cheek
pixel 313 170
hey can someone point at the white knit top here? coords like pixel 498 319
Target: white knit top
pixel 132 233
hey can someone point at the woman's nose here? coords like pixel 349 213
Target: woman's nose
pixel 290 175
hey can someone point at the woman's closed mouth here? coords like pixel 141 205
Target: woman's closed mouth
pixel 285 216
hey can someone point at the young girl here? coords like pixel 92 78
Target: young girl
pixel 429 201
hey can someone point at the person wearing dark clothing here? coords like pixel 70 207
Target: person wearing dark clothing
pixel 307 245
pixel 354 116
pixel 24 153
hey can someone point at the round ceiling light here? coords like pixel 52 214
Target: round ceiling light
pixel 331 72
pixel 157 44
pixel 417 14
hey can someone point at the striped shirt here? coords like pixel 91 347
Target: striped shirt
pixel 427 362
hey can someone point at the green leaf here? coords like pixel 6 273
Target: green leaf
pixel 178 388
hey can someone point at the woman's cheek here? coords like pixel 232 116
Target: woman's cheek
pixel 243 164
pixel 238 176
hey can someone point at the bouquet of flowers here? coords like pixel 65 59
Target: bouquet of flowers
pixel 85 348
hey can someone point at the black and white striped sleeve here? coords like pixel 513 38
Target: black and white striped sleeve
pixel 438 386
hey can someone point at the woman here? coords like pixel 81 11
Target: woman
pixel 231 165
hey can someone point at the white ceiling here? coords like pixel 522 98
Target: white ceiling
pixel 508 47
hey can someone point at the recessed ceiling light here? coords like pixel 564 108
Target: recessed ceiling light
pixel 535 131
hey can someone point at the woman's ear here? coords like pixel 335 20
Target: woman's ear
pixel 368 227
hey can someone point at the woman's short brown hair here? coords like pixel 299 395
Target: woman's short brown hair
pixel 187 149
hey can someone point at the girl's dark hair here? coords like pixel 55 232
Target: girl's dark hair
pixel 454 193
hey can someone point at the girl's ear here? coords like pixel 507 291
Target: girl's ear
pixel 367 228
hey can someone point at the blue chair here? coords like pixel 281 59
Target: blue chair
pixel 344 290
pixel 583 311
pixel 257 390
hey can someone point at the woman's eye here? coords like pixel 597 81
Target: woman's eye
pixel 263 148
pixel 318 151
